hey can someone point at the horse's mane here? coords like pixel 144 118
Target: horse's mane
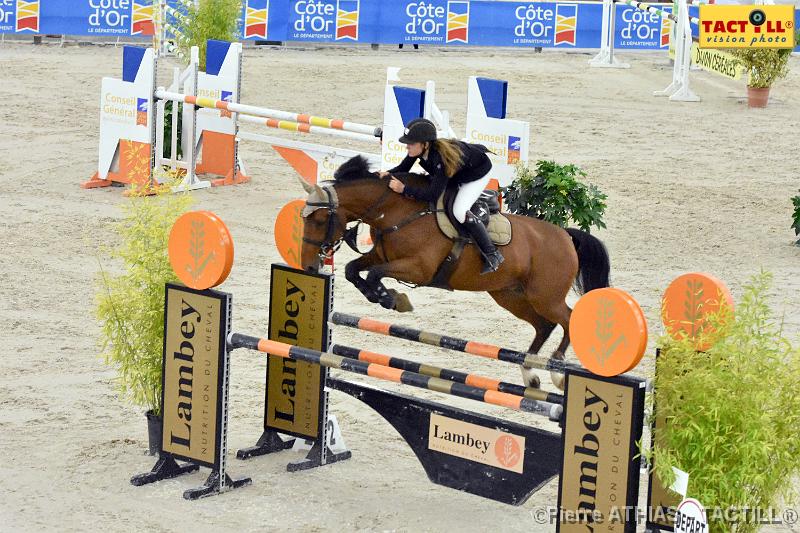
pixel 355 168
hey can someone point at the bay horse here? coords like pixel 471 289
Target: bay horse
pixel 542 261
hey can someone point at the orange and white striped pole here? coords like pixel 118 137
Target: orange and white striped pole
pixel 255 111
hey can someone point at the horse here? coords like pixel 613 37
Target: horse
pixel 542 262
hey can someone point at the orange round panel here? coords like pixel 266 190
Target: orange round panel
pixel 200 250
pixel 289 232
pixel 608 331
pixel 687 301
pixel 640 316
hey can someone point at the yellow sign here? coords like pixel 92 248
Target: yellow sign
pixel 476 443
pixel 599 473
pixel 717 61
pixel 713 60
pixel 192 359
pixel 763 26
pixel 298 316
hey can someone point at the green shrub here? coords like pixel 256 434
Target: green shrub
pixel 555 194
pixel 130 306
pixel 764 65
pixel 732 413
pixel 210 19
pixel 167 152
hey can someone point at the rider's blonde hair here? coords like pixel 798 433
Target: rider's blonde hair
pixel 451 155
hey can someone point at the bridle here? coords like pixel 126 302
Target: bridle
pixel 328 246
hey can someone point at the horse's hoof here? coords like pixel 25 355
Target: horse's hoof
pixel 402 304
pixel 530 379
pixel 556 377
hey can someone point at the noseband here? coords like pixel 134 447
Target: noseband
pixel 328 246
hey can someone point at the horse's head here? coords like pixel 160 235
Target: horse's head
pixel 323 227
pixel 326 217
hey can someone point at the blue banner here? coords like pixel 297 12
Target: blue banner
pixel 77 17
pixel 536 24
pixel 435 22
pixel 639 29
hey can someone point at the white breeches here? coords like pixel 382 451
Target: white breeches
pixel 468 193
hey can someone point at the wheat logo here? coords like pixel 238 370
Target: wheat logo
pixel 693 307
pixel 197 250
pixel 604 331
pixel 507 451
pixel 297 235
pixel 200 250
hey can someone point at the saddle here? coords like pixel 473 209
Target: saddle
pixel 487 209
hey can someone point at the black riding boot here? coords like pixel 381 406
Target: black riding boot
pixel 491 257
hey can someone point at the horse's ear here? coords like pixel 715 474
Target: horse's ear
pixel 306 185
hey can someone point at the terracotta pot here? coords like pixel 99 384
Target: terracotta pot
pixel 757 96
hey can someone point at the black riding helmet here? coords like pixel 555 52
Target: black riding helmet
pixel 419 130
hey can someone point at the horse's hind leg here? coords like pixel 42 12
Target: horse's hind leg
pixel 558 312
pixel 515 302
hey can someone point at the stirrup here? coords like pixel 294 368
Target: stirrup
pixel 492 262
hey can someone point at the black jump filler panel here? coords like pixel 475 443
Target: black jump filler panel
pixel 411 418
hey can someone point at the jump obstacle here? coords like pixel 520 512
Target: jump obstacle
pixel 525 359
pixel 677 26
pixel 451 375
pixel 212 115
pixel 469 451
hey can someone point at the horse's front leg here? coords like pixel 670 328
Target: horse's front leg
pixel 405 269
pixel 352 272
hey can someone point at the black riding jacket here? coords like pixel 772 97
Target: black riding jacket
pixel 475 164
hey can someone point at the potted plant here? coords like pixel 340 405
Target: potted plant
pixel 130 304
pixel 764 67
pixel 554 193
pixel 731 413
pixel 208 19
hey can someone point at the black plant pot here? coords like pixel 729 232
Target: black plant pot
pixel 154 432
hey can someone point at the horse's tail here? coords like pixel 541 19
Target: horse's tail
pixel 593 262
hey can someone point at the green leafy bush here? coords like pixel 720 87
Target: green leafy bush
pixel 210 19
pixel 130 306
pixel 732 413
pixel 796 217
pixel 167 152
pixel 554 193
pixel 764 65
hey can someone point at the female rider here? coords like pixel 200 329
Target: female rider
pixel 453 161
